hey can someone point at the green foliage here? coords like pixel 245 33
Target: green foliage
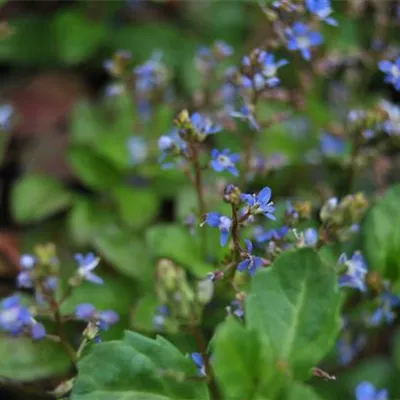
pixel 36 197
pixel 92 169
pixel 172 241
pixel 295 304
pixel 243 362
pixel 25 360
pixel 137 368
pixel 381 235
pixel 76 35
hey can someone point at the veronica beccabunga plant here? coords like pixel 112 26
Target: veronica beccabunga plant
pixel 243 227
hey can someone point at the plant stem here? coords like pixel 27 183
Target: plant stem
pixel 235 233
pixel 61 331
pixel 202 346
pixel 198 186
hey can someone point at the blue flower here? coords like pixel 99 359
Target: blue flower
pixel 250 262
pixel 269 68
pixel 262 236
pixel 392 71
pixel 367 391
pixel 332 145
pixel 203 124
pixel 216 220
pixel 356 271
pixel 223 49
pixel 16 319
pixel 348 350
pixel 103 319
pixel 246 115
pixel 301 37
pixel 198 360
pixel 138 150
pixel 260 204
pixel 6 112
pixel 384 311
pixel 238 308
pixel 25 278
pixel 152 74
pixel 322 9
pixel 223 160
pixel 160 316
pixel 310 237
pixel 87 263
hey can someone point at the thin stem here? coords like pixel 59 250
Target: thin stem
pixel 202 346
pixel 198 186
pixel 235 233
pixel 61 331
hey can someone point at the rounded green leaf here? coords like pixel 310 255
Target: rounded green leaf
pixel 92 169
pixel 25 360
pixel 295 303
pixel 381 235
pixel 77 36
pixel 35 197
pixel 137 207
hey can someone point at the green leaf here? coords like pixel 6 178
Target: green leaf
pixel 381 235
pixel 92 169
pixel 295 303
pixel 77 36
pixel 137 368
pixel 172 241
pixel 125 251
pixel 35 197
pixel 80 221
pixel 25 360
pixel 137 207
pixel 30 43
pixel 243 363
pixel 87 124
pixel 300 391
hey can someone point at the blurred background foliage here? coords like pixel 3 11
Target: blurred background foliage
pixel 68 173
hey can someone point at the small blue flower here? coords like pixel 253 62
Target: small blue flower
pixel 250 262
pixel 25 278
pixel 322 9
pixel 27 261
pixel 388 301
pixel 87 312
pixel 348 350
pixel 260 204
pixel 238 308
pixel 392 71
pixel 263 236
pixel 16 319
pixel 223 49
pixel 162 312
pixel 87 263
pixel 203 124
pixel 310 237
pixel 246 115
pixel 6 113
pixel 356 272
pixel 216 220
pixel 332 145
pixel 269 68
pixel 138 150
pixel 223 160
pixel 301 37
pixel 152 74
pixel 198 360
pixel 367 391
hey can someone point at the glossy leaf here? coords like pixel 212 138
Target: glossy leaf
pixel 137 367
pixel 295 303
